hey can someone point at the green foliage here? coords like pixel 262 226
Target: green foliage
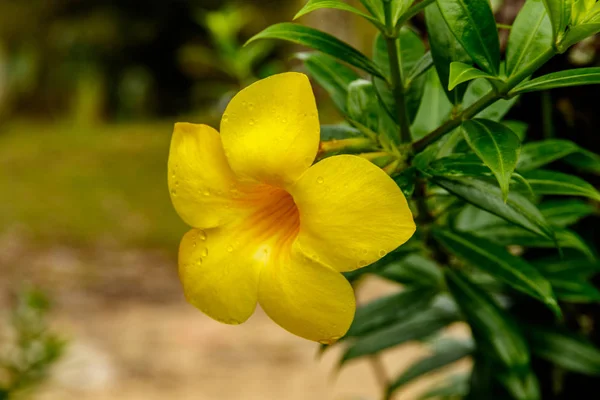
pixel 499 243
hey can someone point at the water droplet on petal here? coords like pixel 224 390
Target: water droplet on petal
pixel 320 179
pixel 382 253
pixel 361 263
pixel 206 192
pixel 202 235
pixel 205 252
pixel 176 183
pixel 250 106
pixel 199 262
pixel 225 118
pixel 251 122
pixel 229 248
pixel 194 244
pixel 173 192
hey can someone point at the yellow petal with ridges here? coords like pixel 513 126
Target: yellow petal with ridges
pixel 306 298
pixel 270 130
pixel 204 190
pixel 219 274
pixel 351 212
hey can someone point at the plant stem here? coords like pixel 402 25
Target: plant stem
pixel 396 78
pixel 485 101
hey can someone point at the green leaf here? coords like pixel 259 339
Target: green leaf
pixel 406 180
pixel 496 333
pixel 313 5
pixel 320 41
pixel 388 310
pixel 536 154
pixel 530 36
pixel 362 105
pixel 556 183
pixel 570 267
pixel 521 386
pixel 331 75
pixel 570 77
pixel 518 127
pixel 585 161
pixel 517 209
pixel 337 132
pixel 461 72
pixel 410 51
pixel 566 350
pixel 565 212
pixel 560 14
pixel 498 262
pixel 375 8
pixel 445 351
pixel 575 290
pixel 398 8
pixel 461 165
pixel 578 33
pixel 472 23
pixel 445 49
pixel 419 68
pixel 434 110
pixel 455 386
pixel 481 87
pixel 496 145
pixel 442 313
pixel 414 270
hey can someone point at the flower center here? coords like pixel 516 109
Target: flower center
pixel 274 224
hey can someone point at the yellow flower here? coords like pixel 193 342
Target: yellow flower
pixel 269 227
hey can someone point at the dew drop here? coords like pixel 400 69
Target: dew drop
pixel 244 104
pixel 225 118
pixel 320 179
pixel 229 248
pixel 382 253
pixel 284 120
pixel 199 262
pixel 250 106
pixel 206 192
pixel 252 122
pixel 194 244
pixel 205 252
pixel 176 183
pixel 361 263
pixel 173 192
pixel 365 251
pixel 202 235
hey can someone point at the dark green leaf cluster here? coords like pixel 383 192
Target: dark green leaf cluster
pixel 486 199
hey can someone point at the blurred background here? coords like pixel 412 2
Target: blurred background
pixel 89 92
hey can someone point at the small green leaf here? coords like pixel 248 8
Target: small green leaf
pixel 578 33
pixel 497 110
pixel 518 127
pixel 567 267
pixel 455 386
pixel 517 209
pixel 320 41
pixel 389 310
pixel 461 72
pixel 434 110
pixel 560 14
pixel 410 51
pixel 537 154
pixel 472 23
pixel 337 132
pixel 570 77
pixel 375 8
pixel 556 183
pixel 565 212
pixel 445 351
pixel 331 75
pixel 442 313
pixel 498 262
pixel 565 349
pixel 585 161
pixel 461 165
pixel 575 290
pixel 530 36
pixel 444 49
pixel 496 145
pixel 362 105
pixel 414 270
pixel 419 68
pixel 313 5
pixel 495 332
pixel 407 180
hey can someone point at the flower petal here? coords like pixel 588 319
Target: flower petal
pixel 270 130
pixel 201 182
pixel 351 212
pixel 306 298
pixel 219 276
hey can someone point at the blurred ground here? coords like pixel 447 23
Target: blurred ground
pixel 87 218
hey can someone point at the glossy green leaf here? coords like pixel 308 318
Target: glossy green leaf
pixel 565 212
pixel 414 270
pixel 461 72
pixel 570 267
pixel 537 154
pixel 575 290
pixel 445 49
pixel 389 310
pixel 518 127
pixel 419 68
pixel 571 352
pixel 416 327
pixel 407 180
pixel 320 41
pixel 585 161
pixel 570 77
pixel 410 51
pixel 313 5
pixel 399 7
pixel 498 262
pixel 472 23
pixel 517 209
pixel 375 8
pixel 556 183
pixel 530 36
pixel 496 145
pixel 560 14
pixel 434 110
pixel 333 76
pixel 495 332
pixel 337 132
pixel 362 105
pixel 445 351
pixel 461 165
pixel 578 33
pixel 497 110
